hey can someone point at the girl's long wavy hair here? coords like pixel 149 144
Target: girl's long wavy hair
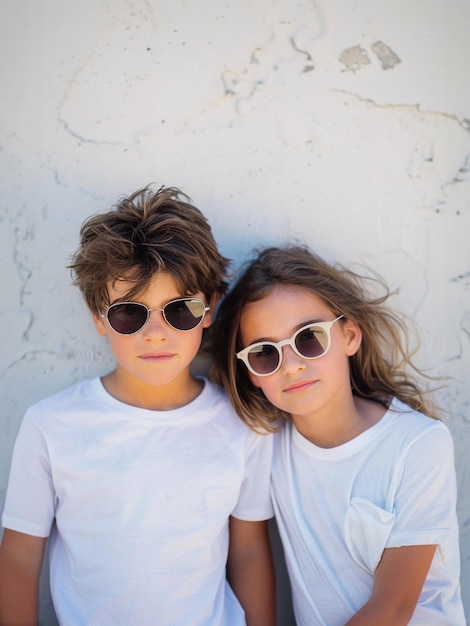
pixel 381 369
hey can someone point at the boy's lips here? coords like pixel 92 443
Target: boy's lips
pixel 156 356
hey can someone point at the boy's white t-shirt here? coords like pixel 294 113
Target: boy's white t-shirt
pixel 136 503
pixel 337 509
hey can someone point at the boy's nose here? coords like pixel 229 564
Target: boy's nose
pixel 156 324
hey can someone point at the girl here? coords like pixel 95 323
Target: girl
pixel 363 479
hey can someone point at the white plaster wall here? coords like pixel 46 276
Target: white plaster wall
pixel 339 122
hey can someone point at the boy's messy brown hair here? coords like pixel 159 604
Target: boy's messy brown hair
pixel 143 234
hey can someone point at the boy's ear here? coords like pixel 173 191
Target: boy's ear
pixel 209 317
pixel 99 323
pixel 353 337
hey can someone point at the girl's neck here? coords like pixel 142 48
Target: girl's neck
pixel 333 428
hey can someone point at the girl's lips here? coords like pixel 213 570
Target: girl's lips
pixel 302 385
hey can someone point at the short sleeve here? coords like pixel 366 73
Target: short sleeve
pixel 254 503
pixel 426 495
pixel 30 499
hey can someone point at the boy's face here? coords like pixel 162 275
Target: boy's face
pixel 158 354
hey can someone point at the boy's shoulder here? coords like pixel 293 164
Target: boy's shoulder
pixel 218 405
pixel 212 408
pixel 76 395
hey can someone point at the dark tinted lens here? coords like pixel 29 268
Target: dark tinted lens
pixel 127 318
pixel 184 314
pixel 312 341
pixel 264 358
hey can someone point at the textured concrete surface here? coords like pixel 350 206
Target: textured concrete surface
pixel 343 124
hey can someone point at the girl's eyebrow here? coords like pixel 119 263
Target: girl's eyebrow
pixel 296 328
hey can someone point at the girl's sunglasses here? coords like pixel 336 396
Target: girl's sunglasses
pixel 309 342
pixel 127 318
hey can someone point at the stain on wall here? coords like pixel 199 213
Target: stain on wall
pixel 354 58
pixel 386 55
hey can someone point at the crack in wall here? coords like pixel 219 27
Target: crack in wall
pixel 24 271
pixel 244 84
pixel 82 139
pixel 66 125
pixel 23 235
pixel 31 356
pixel 309 64
pixel 465 278
pixel 464 122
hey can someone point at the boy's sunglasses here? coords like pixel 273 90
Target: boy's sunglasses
pixel 309 342
pixel 127 318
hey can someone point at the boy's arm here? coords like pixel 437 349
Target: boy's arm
pixel 398 581
pixel 250 571
pixel 21 559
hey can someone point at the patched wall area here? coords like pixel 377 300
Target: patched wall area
pixel 342 124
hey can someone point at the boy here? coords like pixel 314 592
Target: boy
pixel 139 476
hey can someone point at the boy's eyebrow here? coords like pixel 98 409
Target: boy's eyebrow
pixel 138 300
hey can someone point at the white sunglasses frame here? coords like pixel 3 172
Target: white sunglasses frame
pixel 162 309
pixel 278 345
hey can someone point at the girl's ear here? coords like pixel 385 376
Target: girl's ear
pixel 353 337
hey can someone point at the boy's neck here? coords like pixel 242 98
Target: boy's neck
pixel 174 395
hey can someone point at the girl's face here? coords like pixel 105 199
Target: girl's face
pixel 302 387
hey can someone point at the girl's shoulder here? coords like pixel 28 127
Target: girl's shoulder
pixel 399 410
pixel 399 428
pixel 411 427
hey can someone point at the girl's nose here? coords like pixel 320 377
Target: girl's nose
pixel 291 362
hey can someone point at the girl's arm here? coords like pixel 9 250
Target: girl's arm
pixel 21 559
pixel 398 581
pixel 250 571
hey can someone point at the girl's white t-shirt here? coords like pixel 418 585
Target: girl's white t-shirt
pixel 337 509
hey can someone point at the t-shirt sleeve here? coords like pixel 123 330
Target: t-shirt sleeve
pixel 30 499
pixel 254 502
pixel 425 500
